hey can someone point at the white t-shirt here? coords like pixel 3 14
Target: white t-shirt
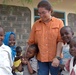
pixel 5 60
pixel 66 54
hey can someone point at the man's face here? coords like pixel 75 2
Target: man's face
pixel 44 14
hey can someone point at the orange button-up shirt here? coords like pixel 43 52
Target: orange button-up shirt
pixel 46 36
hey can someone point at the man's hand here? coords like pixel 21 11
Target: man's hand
pixel 55 62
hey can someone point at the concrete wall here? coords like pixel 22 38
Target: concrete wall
pixel 18 20
pixel 67 6
pixel 59 5
pixel 22 18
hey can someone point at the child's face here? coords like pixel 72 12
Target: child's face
pixel 12 40
pixel 18 53
pixel 73 48
pixel 66 34
pixel 1 36
pixel 30 53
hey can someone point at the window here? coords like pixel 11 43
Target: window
pixel 57 14
pixel 60 15
pixel 36 16
pixel 72 21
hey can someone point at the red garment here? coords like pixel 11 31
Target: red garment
pixel 72 73
pixel 69 67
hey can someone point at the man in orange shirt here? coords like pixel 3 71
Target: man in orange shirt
pixel 46 34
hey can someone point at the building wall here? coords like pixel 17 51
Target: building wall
pixel 58 5
pixel 18 20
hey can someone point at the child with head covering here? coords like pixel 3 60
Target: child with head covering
pixel 9 40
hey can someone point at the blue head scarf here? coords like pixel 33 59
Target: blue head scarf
pixel 6 42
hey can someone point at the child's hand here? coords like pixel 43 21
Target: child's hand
pixel 13 67
pixel 24 61
pixel 21 57
pixel 61 66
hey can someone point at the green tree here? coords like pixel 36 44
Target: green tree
pixel 22 1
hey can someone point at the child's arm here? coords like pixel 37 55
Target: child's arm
pixel 19 68
pixel 24 62
pixel 33 66
pixel 30 68
pixel 13 68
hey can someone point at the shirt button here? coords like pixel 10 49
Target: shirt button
pixel 46 44
pixel 46 37
pixel 47 51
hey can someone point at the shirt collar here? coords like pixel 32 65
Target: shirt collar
pixel 2 46
pixel 40 20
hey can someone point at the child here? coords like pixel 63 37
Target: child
pixel 17 61
pixel 29 61
pixel 9 40
pixel 5 56
pixel 66 34
pixel 70 66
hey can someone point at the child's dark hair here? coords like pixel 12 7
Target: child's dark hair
pixel 45 4
pixel 67 27
pixel 18 48
pixel 35 46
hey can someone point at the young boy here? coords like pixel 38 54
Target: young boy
pixel 66 34
pixel 17 62
pixel 5 56
pixel 29 61
pixel 70 66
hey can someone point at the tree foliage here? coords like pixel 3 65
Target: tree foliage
pixel 22 1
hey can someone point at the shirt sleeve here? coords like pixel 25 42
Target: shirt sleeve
pixel 31 39
pixel 34 65
pixel 60 26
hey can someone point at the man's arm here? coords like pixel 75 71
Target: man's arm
pixel 59 49
pixel 56 61
pixel 31 39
